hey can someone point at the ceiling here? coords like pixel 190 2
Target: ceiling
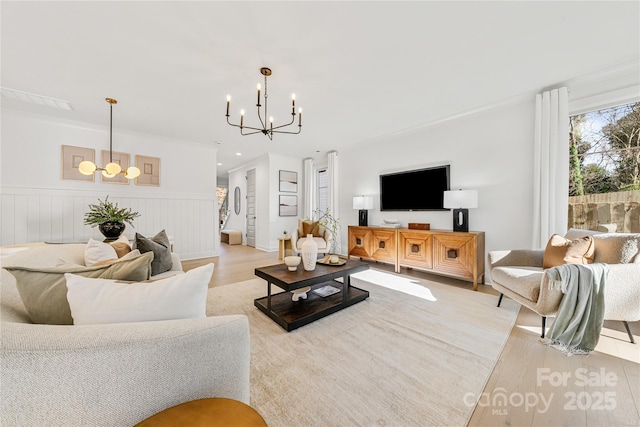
pixel 360 70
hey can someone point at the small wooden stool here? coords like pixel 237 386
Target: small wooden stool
pixel 212 412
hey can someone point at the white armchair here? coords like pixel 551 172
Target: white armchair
pixel 519 274
pixel 324 242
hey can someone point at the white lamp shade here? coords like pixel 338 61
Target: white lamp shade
pixel 362 202
pixel 461 199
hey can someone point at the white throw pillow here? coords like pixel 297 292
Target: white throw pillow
pixel 98 251
pixel 99 301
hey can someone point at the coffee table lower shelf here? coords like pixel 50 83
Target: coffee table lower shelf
pixel 294 314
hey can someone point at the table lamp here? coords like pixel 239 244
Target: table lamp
pixel 362 203
pixel 460 201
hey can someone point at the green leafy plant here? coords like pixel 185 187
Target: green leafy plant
pixel 108 212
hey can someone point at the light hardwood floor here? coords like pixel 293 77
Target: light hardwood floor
pixel 541 385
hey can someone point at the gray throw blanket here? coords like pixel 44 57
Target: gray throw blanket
pixel 576 329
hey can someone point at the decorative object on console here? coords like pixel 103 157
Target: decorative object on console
pixel 149 171
pixel 460 201
pixel 309 253
pixel 109 218
pixel 269 131
pixel 362 204
pixel 112 168
pixel 419 226
pixel 72 158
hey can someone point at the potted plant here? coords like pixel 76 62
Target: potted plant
pixel 109 218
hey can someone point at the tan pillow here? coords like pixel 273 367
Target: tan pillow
pixel 309 227
pixel 121 248
pixel 129 255
pixel 44 292
pixel 560 251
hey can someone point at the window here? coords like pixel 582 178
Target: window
pixel 604 167
pixel 322 180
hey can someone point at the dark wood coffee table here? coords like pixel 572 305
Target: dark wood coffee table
pixel 293 314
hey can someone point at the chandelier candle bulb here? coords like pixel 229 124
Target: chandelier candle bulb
pixel 300 117
pixel 228 101
pixel 241 117
pixel 258 94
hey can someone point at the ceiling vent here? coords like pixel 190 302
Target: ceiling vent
pixel 36 99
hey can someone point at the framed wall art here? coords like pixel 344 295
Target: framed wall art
pixel 71 159
pixel 288 205
pixel 149 170
pixel 288 182
pixel 123 159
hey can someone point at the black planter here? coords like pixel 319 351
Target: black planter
pixel 111 230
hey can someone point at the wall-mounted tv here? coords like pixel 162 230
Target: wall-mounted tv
pixel 414 190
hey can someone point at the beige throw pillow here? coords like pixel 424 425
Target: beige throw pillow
pixel 560 251
pixel 44 291
pixel 99 301
pixel 97 251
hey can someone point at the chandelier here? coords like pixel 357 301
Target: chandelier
pixel 270 129
pixel 111 169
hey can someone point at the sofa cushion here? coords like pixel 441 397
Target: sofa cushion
pixel 524 281
pixel 44 291
pixel 161 248
pixel 617 248
pixel 99 301
pixel 121 246
pixel 560 251
pixel 97 251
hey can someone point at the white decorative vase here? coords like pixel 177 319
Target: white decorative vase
pixel 309 253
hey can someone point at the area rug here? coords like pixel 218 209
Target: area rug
pixel 415 353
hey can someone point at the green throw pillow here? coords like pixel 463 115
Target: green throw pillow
pixel 159 245
pixel 44 291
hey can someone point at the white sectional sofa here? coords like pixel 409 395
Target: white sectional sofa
pixel 114 374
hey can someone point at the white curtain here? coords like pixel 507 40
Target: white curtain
pixel 550 166
pixel 333 197
pixel 307 209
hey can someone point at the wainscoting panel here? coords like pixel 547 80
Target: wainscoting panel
pixel 46 215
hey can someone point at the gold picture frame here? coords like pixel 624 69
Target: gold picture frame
pixel 123 159
pixel 149 170
pixel 71 158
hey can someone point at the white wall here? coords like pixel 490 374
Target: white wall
pixel 38 205
pixel 490 152
pixel 269 225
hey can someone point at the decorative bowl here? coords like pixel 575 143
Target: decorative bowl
pixel 292 262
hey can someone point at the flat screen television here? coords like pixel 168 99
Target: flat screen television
pixel 414 190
